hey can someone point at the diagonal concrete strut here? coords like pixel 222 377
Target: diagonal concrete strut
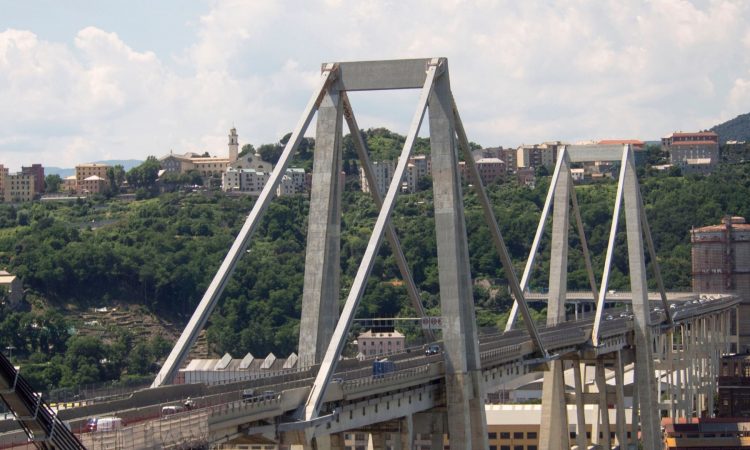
pixel 497 237
pixel 390 232
pixel 218 283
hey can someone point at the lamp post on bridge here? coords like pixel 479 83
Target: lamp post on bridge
pixel 10 349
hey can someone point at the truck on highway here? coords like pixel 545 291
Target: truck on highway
pixel 382 367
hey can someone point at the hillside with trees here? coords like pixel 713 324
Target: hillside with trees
pixel 737 129
pixel 160 253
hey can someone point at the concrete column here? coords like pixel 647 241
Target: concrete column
pixel 635 418
pixel 430 425
pixel 580 411
pixel 465 398
pixel 621 424
pixel 320 294
pixel 404 440
pixel 650 420
pixel 713 366
pixel 376 441
pixel 670 375
pixel 553 431
pixel 330 441
pixel 601 385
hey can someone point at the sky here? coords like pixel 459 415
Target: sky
pixel 84 81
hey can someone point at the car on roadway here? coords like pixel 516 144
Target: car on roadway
pixel 103 424
pixel 433 349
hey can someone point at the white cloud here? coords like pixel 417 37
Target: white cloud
pixel 521 72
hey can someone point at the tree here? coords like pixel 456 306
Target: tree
pixel 52 183
pixel 246 150
pixel 270 152
pixel 144 176
pixel 116 176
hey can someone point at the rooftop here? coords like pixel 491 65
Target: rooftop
pixel 387 334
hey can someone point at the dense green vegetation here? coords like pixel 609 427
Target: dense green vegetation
pixel 162 252
pixel 737 129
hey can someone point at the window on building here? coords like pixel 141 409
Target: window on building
pixel 505 447
pixel 531 447
pixel 531 435
pixel 518 435
pixel 518 447
pixel 492 435
pixel 504 435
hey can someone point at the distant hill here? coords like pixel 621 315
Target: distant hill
pixel 127 164
pixel 737 129
pixel 63 172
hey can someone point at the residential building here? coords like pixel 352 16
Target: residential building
pixel 702 166
pixel 173 163
pixel 92 185
pixel 410 179
pixel 249 181
pixel 292 183
pixel 526 176
pixel 721 263
pixel 12 286
pixel 510 156
pixel 38 172
pixel 3 175
pixel 382 171
pixel 706 433
pixel 684 146
pixel 69 184
pixel 418 167
pixel 19 187
pixel 490 169
pixel 372 343
pixel 533 156
pixel 422 165
pixel 734 386
pixel 84 171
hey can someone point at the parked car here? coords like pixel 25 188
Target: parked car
pixel 103 424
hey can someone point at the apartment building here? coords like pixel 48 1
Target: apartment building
pixel 292 183
pixel 684 146
pixel 18 188
pixel 37 170
pixel 4 172
pixel 372 343
pixel 490 169
pixel 383 172
pixel 84 171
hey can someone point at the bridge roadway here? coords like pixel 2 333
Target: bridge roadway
pixel 356 400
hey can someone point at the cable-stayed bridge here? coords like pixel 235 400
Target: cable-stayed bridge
pixel 439 396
